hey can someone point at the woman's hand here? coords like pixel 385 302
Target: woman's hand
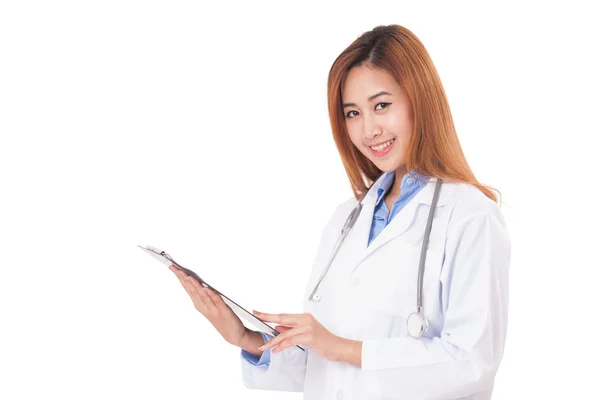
pixel 304 329
pixel 212 306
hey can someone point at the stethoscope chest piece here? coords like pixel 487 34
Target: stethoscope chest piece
pixel 416 324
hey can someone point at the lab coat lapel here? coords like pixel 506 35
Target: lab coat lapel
pixel 357 240
pixel 401 222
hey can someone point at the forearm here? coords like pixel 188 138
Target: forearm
pixel 251 341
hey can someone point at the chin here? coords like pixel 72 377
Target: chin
pixel 387 166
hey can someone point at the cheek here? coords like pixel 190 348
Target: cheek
pixel 400 123
pixel 354 135
pixel 402 148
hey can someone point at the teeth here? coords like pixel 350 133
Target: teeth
pixel 382 146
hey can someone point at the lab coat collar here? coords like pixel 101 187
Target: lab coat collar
pixel 360 249
pixel 424 196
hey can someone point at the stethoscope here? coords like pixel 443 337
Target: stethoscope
pixel 417 324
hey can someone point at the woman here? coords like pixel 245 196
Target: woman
pixel 393 129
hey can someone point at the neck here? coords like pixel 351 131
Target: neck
pixel 399 173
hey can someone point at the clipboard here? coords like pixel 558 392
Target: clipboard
pixel 236 308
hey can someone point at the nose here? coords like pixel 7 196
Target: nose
pixel 372 128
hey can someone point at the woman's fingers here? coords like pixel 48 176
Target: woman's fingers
pixel 213 301
pixel 202 296
pixel 182 279
pixel 218 301
pixel 289 342
pixel 282 328
pixel 201 301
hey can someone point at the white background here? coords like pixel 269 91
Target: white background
pixel 203 129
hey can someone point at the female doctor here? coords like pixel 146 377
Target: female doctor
pixel 408 294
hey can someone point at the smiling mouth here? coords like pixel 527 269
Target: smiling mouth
pixel 380 147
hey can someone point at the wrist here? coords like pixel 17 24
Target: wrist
pixel 251 341
pixel 350 351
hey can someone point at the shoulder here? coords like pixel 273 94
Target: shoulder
pixel 338 215
pixel 346 206
pixel 341 212
pixel 336 220
pixel 467 198
pixel 470 206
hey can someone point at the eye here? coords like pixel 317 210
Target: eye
pixel 348 115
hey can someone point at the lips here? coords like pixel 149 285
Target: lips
pixel 383 148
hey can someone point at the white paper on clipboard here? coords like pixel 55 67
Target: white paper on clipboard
pixel 166 259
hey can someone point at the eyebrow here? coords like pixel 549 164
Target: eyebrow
pixel 383 92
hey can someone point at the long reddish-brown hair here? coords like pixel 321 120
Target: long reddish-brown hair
pixel 434 149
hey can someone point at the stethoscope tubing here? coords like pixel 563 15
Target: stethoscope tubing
pixel 350 221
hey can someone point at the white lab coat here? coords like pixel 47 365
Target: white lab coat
pixel 369 292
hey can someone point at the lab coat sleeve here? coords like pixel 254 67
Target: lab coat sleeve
pixel 285 372
pixel 466 356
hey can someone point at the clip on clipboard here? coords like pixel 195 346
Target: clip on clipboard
pixel 237 309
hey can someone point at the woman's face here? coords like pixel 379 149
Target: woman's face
pixel 378 117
